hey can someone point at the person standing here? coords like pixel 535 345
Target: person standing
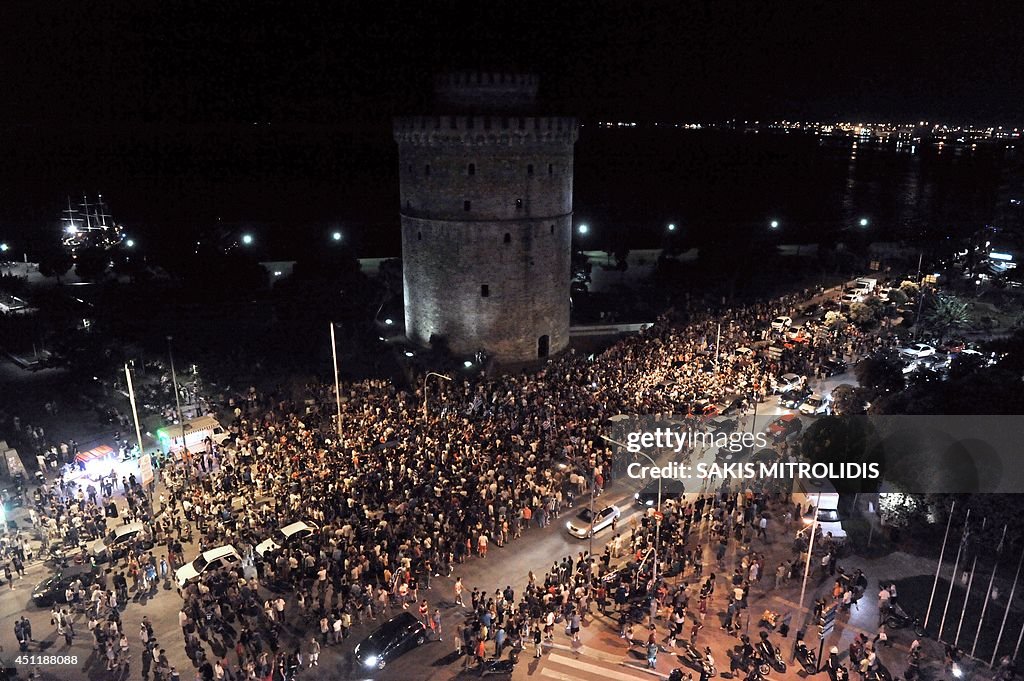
pixel 458 591
pixel 435 623
pixel 314 652
pixel 537 638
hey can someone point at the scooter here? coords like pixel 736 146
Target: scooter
pixel 879 673
pixel 898 619
pixel 496 665
pixel 807 658
pixel 701 661
pixel 771 654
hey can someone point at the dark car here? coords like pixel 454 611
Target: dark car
pixel 53 589
pixel 832 367
pixel 794 398
pixel 647 497
pixel 396 636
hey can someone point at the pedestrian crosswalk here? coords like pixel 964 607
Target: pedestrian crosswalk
pixel 559 665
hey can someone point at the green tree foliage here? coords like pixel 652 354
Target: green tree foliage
pixel 862 314
pixel 946 313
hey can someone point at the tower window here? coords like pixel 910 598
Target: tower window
pixel 472 169
pixel 529 169
pixel 551 169
pixel 426 170
pixel 508 238
pixel 519 204
pixel 552 229
pixel 485 291
pixel 419 236
pixel 466 206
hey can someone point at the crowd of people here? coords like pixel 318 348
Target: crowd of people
pixel 403 494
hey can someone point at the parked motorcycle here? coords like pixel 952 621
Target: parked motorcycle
pixel 898 618
pixel 496 665
pixel 701 661
pixel 878 673
pixel 771 654
pixel 807 658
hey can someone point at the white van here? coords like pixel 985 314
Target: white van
pixel 196 432
pixel 214 559
pixel 809 493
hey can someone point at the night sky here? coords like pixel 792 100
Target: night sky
pixel 95 93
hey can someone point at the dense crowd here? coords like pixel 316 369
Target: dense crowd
pixel 402 498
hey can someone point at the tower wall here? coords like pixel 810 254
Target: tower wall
pixel 486 201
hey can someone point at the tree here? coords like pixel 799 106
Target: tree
pixel 835 320
pixel 910 289
pixel 92 263
pixel 55 262
pixel 881 373
pixel 897 297
pixel 947 313
pixel 862 314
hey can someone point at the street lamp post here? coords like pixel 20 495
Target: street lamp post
pixel 337 384
pixel 657 526
pixel 429 374
pixel 177 399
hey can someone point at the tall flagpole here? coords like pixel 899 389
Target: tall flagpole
pixel 337 387
pixel 135 411
pixel 988 594
pixel 952 579
pixel 1006 613
pixel 967 593
pixel 938 568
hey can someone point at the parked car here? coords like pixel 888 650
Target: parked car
pixel 816 405
pixel 788 382
pixel 722 424
pixel 671 489
pixel 398 635
pixel 743 352
pixel 851 298
pixel 784 426
pixel 54 588
pixel 834 366
pixel 918 350
pixel 781 323
pixel 796 333
pixel 794 398
pixel 584 525
pixel 208 561
pixel 288 535
pixel 118 540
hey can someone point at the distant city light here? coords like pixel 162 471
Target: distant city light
pixel 774 224
pixel 277 273
pixel 408 353
pixel 863 222
pixel 467 364
pixel 583 229
pixel 389 321
pixel 336 236
pixel 671 227
pixel 130 243
pixel 247 239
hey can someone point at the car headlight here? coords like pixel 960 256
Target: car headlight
pixel 650 502
pixel 569 526
pixel 371 661
pixel 636 495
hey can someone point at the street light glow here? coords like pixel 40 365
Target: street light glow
pixel 671 227
pixel 774 224
pixel 863 222
pixel 130 243
pixel 4 248
pixel 336 236
pixel 247 239
pixel 583 229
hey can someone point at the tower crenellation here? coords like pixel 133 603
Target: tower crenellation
pixel 486 210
